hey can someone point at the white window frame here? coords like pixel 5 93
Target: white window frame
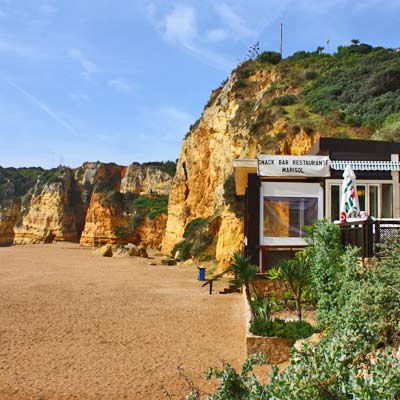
pixel 361 182
pixel 288 189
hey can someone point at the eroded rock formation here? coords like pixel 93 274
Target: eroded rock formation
pixel 91 204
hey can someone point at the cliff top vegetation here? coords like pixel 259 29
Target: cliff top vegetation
pixel 352 93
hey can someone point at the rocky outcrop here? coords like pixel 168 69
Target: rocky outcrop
pixel 105 224
pixel 139 179
pixel 47 214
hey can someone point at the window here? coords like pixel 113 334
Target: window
pixel 375 198
pixel 287 216
pixel 286 208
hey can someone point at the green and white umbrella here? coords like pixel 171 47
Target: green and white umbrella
pixel 349 204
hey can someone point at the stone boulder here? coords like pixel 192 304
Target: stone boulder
pixel 104 251
pixel 142 252
pixel 131 249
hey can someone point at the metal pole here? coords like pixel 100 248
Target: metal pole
pixel 281 39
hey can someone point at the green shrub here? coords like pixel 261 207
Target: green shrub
pixel 151 206
pixel 194 226
pixel 292 330
pixel 270 57
pixel 325 255
pixel 285 100
pixel 198 238
pixel 353 360
pixel 390 130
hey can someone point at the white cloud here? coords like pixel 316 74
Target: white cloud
pixel 217 35
pixel 181 24
pixel 180 27
pixel 233 21
pixel 121 85
pixel 88 68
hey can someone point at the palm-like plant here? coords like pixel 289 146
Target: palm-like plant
pixel 245 273
pixel 296 273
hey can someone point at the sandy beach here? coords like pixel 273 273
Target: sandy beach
pixel 75 326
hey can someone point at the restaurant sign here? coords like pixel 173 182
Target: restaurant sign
pixel 294 166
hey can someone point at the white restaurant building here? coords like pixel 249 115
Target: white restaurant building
pixel 283 194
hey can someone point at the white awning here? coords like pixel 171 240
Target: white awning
pixel 366 165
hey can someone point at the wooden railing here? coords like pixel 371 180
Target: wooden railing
pixel 214 278
pixel 367 234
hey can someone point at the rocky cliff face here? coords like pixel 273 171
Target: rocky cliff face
pixel 145 180
pixel 47 214
pixel 89 204
pixel 241 120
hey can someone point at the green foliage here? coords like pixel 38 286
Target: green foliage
pixel 362 82
pixel 151 206
pixel 16 182
pixel 194 226
pixel 325 254
pixel 198 239
pixel 114 200
pixel 296 274
pixel 352 361
pixel 263 308
pixel 270 57
pixel 244 275
pixel 390 130
pixel 292 330
pixel 285 100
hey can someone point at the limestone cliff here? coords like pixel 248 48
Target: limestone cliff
pixel 140 179
pixel 89 204
pixel 251 113
pixel 47 214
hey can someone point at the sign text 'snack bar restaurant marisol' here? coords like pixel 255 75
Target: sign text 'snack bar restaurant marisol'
pixel 283 194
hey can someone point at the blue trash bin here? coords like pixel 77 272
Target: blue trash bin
pixel 202 274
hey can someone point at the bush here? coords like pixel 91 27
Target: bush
pixel 390 130
pixel 352 361
pixel 285 100
pixel 151 207
pixel 270 57
pixel 325 255
pixel 292 330
pixel 198 238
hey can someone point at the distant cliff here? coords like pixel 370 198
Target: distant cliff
pixel 272 106
pixel 94 204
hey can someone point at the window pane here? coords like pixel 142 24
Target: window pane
pixel 361 196
pixel 387 201
pixel 287 216
pixel 373 201
pixel 335 202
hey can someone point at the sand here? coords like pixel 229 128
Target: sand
pixel 75 326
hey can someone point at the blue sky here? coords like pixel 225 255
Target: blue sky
pixel 122 80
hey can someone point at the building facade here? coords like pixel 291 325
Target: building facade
pixel 283 194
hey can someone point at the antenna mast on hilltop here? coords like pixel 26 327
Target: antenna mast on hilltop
pixel 281 39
